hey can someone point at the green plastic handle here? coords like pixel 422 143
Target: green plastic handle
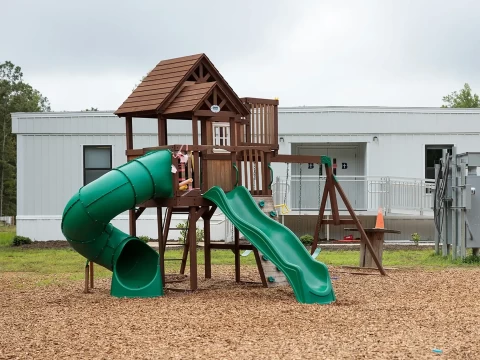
pixel 236 169
pixel 271 177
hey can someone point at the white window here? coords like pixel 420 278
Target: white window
pixel 221 134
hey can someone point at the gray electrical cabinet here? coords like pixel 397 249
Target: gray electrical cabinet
pixel 472 200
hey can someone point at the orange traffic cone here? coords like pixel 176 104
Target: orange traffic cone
pixel 380 223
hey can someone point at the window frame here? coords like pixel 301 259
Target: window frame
pixel 84 166
pixel 225 125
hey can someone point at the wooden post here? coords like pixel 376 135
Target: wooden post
pixel 203 162
pixel 129 132
pixel 129 136
pixel 376 239
pixel 186 248
pixel 161 249
pixel 196 157
pixel 321 213
pixel 237 255
pixel 233 139
pixel 275 124
pixel 162 130
pixel 330 184
pixel 91 274
pixel 207 249
pixel 85 290
pixel 132 222
pixel 168 220
pixel 260 267
pixel 192 234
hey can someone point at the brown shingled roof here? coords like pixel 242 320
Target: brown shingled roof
pixel 189 98
pixel 159 91
pixel 158 84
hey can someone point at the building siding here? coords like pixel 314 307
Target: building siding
pixel 49 150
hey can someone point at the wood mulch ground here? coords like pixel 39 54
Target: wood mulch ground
pixel 402 316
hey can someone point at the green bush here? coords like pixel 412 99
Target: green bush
pixel 472 259
pixel 415 238
pixel 21 240
pixel 306 240
pixel 183 232
pixel 145 238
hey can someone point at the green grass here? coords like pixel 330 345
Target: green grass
pixel 7 233
pixel 56 265
pixel 395 258
pixel 68 261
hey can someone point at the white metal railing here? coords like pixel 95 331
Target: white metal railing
pixel 365 193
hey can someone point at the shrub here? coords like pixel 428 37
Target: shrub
pixel 21 240
pixel 306 240
pixel 472 259
pixel 183 233
pixel 145 238
pixel 415 238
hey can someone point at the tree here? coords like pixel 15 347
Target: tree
pixel 91 109
pixel 464 99
pixel 15 96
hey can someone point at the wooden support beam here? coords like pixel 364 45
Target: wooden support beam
pixel 208 113
pixel 129 132
pixel 132 222
pixel 333 197
pixel 196 157
pixel 260 268
pixel 192 238
pixel 203 162
pixel 162 131
pixel 251 100
pixel 321 213
pixel 91 274
pixel 161 247
pixel 168 220
pixel 207 249
pixel 359 227
pixel 197 147
pixel 139 212
pixel 224 246
pixel 297 159
pixel 237 255
pixel 85 290
pixel 275 124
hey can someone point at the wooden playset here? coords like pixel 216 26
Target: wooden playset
pixel 234 142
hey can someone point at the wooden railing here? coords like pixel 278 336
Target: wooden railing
pixel 242 165
pixel 261 126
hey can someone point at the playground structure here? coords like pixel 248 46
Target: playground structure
pixel 227 166
pixel 456 208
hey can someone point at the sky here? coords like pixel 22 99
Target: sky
pixel 82 54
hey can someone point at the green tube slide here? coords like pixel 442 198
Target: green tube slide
pixel 87 216
pixel 308 277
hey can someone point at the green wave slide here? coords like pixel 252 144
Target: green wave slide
pixel 308 277
pixel 86 223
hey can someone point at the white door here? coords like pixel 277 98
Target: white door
pixel 344 162
pixel 307 189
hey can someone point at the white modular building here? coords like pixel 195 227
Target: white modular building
pixel 382 157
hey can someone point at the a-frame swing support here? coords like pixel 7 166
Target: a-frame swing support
pixel 331 185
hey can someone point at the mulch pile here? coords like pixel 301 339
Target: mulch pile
pixel 403 316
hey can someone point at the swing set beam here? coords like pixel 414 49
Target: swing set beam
pixel 331 186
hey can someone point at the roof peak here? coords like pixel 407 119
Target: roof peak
pixel 167 80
